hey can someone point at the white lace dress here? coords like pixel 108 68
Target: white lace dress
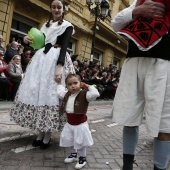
pixel 36 105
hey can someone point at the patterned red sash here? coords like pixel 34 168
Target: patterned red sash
pixel 146 31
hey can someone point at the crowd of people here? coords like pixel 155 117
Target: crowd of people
pixel 13 63
pixel 14 60
pixel 105 79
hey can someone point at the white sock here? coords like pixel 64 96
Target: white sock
pixel 73 150
pixel 83 152
pixel 40 136
pixel 161 153
pixel 47 137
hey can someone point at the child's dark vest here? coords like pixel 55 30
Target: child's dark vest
pixel 80 103
pixel 146 31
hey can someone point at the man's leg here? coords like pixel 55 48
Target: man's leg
pixel 161 151
pixel 130 140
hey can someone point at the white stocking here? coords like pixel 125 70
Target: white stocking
pixel 47 137
pixel 40 136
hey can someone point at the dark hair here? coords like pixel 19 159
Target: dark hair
pixel 61 20
pixel 72 75
pixel 26 48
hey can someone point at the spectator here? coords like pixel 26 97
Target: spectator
pixel 107 84
pixel 95 79
pixel 111 68
pixel 15 73
pixel 74 57
pixel 76 67
pixel 11 51
pixel 1 41
pixel 88 76
pixel 20 49
pixel 4 81
pixel 85 62
pixel 8 46
pixel 25 58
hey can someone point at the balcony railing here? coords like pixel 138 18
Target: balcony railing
pixel 77 6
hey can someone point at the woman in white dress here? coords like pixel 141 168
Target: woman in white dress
pixel 36 105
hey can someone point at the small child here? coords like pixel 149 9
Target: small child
pixel 76 133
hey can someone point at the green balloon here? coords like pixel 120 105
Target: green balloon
pixel 38 38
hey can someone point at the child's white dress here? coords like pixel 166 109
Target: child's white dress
pixel 77 136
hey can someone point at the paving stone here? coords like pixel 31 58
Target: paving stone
pixel 42 168
pixel 11 167
pixel 37 163
pixel 107 146
pixel 23 167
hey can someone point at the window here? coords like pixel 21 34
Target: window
pixel 71 47
pixel 20 27
pixel 97 57
pixel 116 63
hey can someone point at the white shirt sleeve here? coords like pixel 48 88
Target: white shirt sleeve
pixel 61 91
pixel 92 94
pixel 123 18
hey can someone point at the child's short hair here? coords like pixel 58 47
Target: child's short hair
pixel 72 75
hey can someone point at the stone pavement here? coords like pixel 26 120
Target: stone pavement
pixel 16 152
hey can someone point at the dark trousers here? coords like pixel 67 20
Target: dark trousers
pixel 16 83
pixel 4 84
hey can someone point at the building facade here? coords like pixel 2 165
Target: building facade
pixel 17 17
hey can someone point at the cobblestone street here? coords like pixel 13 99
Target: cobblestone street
pixel 16 152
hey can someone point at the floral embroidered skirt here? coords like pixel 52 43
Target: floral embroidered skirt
pixel 36 104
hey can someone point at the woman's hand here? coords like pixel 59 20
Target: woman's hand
pixel 27 40
pixel 58 72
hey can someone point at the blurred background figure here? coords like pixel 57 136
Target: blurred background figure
pixel 4 81
pixel 20 49
pixel 1 41
pixel 76 66
pixel 75 56
pixel 15 73
pixel 11 51
pixel 25 57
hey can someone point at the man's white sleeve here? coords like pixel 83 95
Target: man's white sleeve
pixel 123 18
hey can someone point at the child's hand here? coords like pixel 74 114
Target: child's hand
pixel 84 86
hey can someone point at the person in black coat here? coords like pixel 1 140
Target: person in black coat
pixel 11 51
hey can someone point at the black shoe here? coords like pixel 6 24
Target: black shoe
pixel 36 143
pixel 44 146
pixel 128 161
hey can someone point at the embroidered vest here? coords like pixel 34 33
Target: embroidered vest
pixel 80 103
pixel 146 32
